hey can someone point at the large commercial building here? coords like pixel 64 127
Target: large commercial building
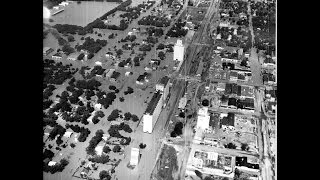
pixel 152 112
pixel 178 51
pixel 163 86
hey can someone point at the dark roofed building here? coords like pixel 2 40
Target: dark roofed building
pixel 228 88
pixel 153 103
pixel 239 91
pixel 164 80
pixel 232 102
pixel 243 161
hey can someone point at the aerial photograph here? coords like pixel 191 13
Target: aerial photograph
pixel 159 90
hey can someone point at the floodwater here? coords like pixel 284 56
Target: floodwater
pixel 83 13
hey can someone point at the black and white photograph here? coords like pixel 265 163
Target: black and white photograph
pixel 159 90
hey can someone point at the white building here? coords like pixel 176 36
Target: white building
pixel 163 86
pixel 178 51
pixel 72 57
pixel 135 156
pixel 56 56
pixel 152 113
pixel 98 63
pixel 182 103
pixel 203 122
pixel 52 163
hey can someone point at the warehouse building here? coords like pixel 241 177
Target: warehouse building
pixel 178 51
pixel 163 86
pixel 152 112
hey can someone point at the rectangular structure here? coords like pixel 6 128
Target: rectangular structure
pixel 47 50
pixel 152 113
pixel 178 51
pixel 135 153
pixel 163 86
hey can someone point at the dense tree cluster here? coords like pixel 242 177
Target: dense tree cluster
pixel 116 148
pixel 59 167
pixel 177 131
pixel 177 29
pixel 106 99
pixel 57 130
pixel 114 115
pixel 151 40
pixel 103 159
pixel 152 31
pixel 56 73
pixel 154 21
pixel 91 45
pixel 98 114
pixel 67 49
pixel 94 142
pixel 161 55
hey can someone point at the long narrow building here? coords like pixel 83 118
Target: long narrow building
pixel 152 112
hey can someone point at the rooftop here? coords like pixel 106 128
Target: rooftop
pixel 164 80
pixel 153 102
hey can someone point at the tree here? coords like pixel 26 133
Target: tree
pixel 127 116
pixel 134 118
pixel 114 115
pixel 119 52
pixel 121 99
pixel 71 38
pixel 106 149
pixel 104 175
pixel 244 147
pixel 198 173
pixel 116 149
pixel 80 57
pixel 72 145
pixel 161 46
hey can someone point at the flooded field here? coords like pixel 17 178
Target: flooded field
pixel 83 13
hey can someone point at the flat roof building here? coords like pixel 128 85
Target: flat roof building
pixel 135 154
pixel 178 51
pixel 152 112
